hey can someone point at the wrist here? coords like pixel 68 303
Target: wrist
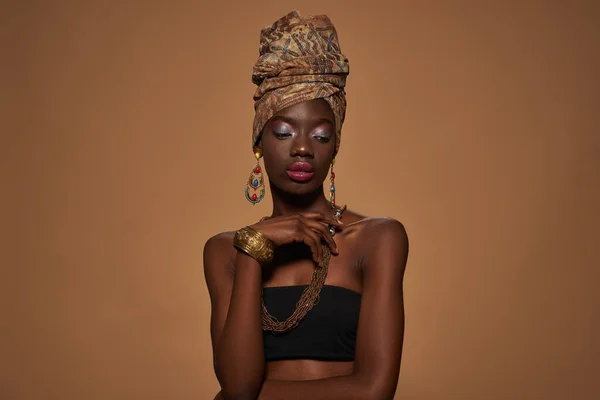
pixel 254 244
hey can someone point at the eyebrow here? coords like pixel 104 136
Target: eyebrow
pixel 294 121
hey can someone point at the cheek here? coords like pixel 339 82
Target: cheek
pixel 328 155
pixel 325 170
pixel 273 163
pixel 276 152
pixel 273 147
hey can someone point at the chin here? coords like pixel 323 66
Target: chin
pixel 299 188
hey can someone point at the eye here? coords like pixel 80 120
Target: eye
pixel 281 135
pixel 323 137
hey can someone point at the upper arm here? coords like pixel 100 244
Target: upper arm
pixel 218 265
pixel 381 321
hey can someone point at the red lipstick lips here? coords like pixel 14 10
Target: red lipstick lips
pixel 300 171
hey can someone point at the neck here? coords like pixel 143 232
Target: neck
pixel 286 204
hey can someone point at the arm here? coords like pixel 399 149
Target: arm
pixel 234 285
pixel 234 282
pixel 380 328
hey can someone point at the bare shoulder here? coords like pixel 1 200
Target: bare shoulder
pixel 219 242
pixel 382 240
pixel 383 232
pixel 377 228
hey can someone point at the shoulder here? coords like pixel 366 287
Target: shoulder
pixel 381 232
pixel 383 242
pixel 378 228
pixel 219 251
pixel 217 242
pixel 384 225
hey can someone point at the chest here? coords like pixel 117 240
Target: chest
pixel 327 332
pixel 293 266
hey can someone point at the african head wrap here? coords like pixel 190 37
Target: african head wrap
pixel 299 60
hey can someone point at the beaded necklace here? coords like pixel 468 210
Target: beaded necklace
pixel 310 295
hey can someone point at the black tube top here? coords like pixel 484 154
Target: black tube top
pixel 327 332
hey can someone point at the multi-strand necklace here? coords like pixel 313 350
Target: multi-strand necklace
pixel 310 295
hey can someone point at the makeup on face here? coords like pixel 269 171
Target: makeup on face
pixel 300 171
pixel 299 142
pixel 284 127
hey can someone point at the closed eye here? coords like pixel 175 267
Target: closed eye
pixel 323 138
pixel 281 135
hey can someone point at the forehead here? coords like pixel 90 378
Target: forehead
pixel 317 109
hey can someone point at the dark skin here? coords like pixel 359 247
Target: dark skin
pixel 369 256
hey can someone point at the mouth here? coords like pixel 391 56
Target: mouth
pixel 300 171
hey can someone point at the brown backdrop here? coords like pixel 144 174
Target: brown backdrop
pixel 128 144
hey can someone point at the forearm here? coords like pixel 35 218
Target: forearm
pixel 348 387
pixel 239 362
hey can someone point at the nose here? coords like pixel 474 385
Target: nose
pixel 301 146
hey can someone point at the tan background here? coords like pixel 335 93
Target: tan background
pixel 128 144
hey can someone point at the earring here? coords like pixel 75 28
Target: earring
pixel 255 182
pixel 337 211
pixel 332 188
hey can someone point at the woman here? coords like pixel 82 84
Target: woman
pixel 307 303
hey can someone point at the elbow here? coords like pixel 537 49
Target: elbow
pixel 377 387
pixel 375 392
pixel 239 384
pixel 381 395
pixel 238 394
pixel 238 391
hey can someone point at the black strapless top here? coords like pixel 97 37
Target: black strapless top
pixel 327 332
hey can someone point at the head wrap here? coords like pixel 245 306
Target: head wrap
pixel 299 60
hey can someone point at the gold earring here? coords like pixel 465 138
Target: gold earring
pixel 255 183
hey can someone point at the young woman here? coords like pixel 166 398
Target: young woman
pixel 306 303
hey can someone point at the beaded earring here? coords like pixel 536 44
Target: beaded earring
pixel 332 188
pixel 337 211
pixel 255 182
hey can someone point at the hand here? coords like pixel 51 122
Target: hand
pixel 309 228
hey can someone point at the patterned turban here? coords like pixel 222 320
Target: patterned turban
pixel 299 60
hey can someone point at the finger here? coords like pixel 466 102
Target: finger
pixel 324 233
pixel 300 237
pixel 318 246
pixel 326 237
pixel 335 222
pixel 311 239
pixel 318 216
pixel 313 215
pixel 305 224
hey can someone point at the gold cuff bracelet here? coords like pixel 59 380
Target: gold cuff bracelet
pixel 255 244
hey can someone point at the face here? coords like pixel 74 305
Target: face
pixel 297 145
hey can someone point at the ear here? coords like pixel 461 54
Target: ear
pixel 336 147
pixel 257 148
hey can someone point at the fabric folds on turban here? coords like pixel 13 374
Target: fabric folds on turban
pixel 299 60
